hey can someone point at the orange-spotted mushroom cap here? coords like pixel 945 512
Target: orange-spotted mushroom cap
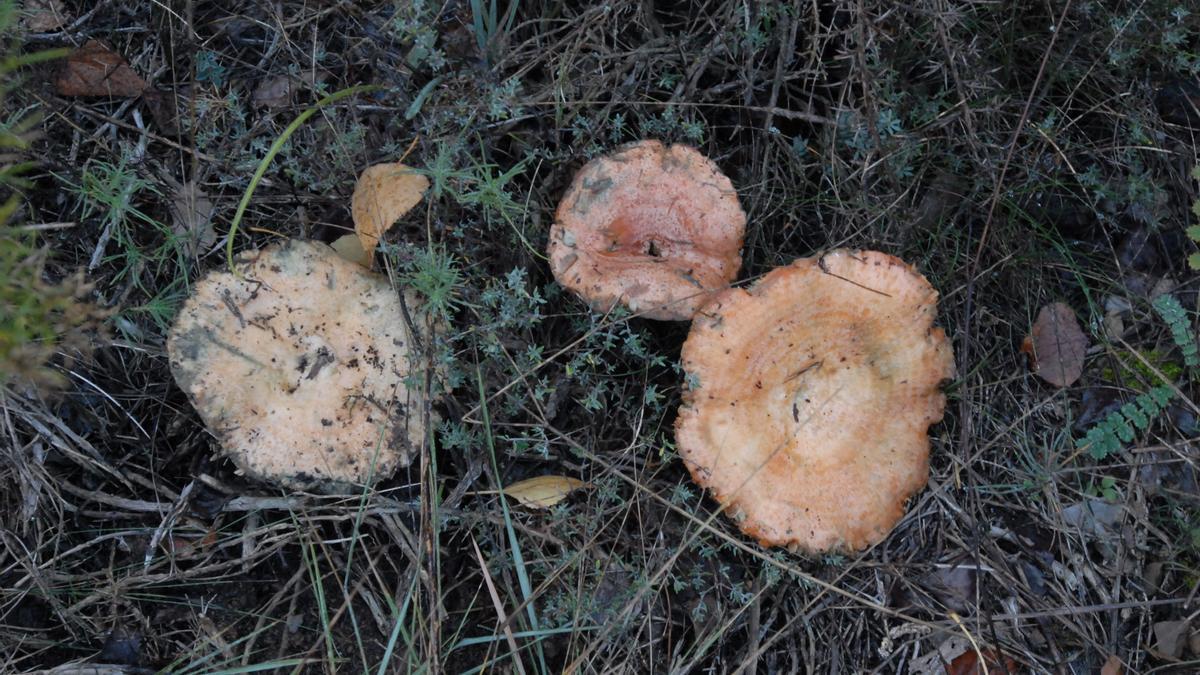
pixel 809 399
pixel 655 227
pixel 300 365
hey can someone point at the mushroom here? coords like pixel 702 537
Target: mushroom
pixel 300 362
pixel 655 227
pixel 809 398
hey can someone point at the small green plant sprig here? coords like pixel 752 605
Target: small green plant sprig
pixel 1107 436
pixel 1120 426
pixel 1193 232
pixel 1176 318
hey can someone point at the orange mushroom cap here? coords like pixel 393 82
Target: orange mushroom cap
pixel 655 227
pixel 298 364
pixel 810 398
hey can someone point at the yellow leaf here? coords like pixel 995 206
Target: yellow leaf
pixel 349 247
pixel 542 492
pixel 384 193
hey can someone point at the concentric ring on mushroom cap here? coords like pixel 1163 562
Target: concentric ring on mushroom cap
pixel 657 228
pixel 299 366
pixel 810 397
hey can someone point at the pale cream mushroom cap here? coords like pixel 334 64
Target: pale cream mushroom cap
pixel 657 228
pixel 300 364
pixel 810 398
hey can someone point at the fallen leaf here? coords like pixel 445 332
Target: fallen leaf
pixel 273 92
pixel 1112 666
pixel 384 193
pixel 165 106
pixel 96 70
pixel 954 586
pixel 1114 326
pixel 1152 577
pixel 542 492
pixel 1170 638
pixel 996 662
pixel 934 662
pixel 1056 345
pixel 193 212
pixel 349 247
pixel 41 16
pixel 1093 517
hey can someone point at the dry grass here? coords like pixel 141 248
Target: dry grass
pixel 1012 164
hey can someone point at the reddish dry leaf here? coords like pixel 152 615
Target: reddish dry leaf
pixel 96 70
pixel 1112 666
pixel 1056 346
pixel 998 663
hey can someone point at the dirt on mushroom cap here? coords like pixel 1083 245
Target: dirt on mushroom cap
pixel 658 228
pixel 299 366
pixel 810 397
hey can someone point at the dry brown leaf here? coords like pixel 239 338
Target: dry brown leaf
pixel 997 663
pixel 1056 345
pixel 934 662
pixel 168 108
pixel 1171 637
pixel 349 247
pixel 41 16
pixel 1112 666
pixel 274 92
pixel 384 193
pixel 193 212
pixel 542 492
pixel 96 70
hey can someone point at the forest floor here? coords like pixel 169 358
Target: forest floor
pixel 1017 154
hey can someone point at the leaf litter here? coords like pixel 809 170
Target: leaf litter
pixel 96 70
pixel 543 492
pixel 192 211
pixel 42 16
pixel 1056 345
pixel 383 194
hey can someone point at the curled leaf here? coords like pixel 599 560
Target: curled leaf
pixel 1056 345
pixel 384 193
pixel 349 247
pixel 96 70
pixel 542 492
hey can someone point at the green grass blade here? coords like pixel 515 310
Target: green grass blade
pixel 518 557
pixel 274 150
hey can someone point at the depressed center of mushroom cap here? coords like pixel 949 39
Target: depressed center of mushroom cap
pixel 651 226
pixel 816 389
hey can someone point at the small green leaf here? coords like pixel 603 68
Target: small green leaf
pixel 415 106
pixel 1193 232
pixel 1194 261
